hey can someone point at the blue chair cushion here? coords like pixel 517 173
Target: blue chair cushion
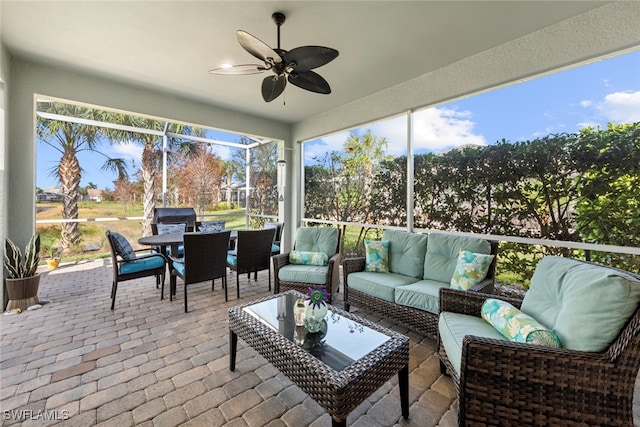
pixel 275 248
pixel 179 267
pixel 232 259
pixel 141 264
pixel 123 247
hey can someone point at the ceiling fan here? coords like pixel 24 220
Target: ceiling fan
pixel 294 65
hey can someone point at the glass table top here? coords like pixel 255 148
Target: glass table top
pixel 339 343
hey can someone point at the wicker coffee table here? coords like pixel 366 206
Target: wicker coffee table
pixel 339 367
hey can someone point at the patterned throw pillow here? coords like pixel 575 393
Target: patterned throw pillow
pixel 212 226
pixel 123 247
pixel 308 258
pixel 171 228
pixel 471 269
pixel 376 256
pixel 516 325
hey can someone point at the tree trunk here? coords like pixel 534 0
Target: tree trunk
pixel 148 176
pixel 70 180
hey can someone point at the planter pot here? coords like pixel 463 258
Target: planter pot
pixel 53 263
pixel 23 292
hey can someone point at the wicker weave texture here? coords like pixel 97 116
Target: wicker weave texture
pixel 339 392
pixel 508 383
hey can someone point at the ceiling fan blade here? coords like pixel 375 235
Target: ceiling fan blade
pixel 238 70
pixel 309 57
pixel 310 80
pixel 272 87
pixel 257 48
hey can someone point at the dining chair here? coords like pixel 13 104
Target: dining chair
pixel 279 227
pixel 169 228
pixel 127 264
pixel 252 254
pixel 204 259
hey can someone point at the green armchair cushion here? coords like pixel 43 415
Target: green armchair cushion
pixel 317 239
pixel 406 252
pixel 586 305
pixel 442 254
pixel 313 274
pixel 515 325
pixel 376 255
pixel 452 328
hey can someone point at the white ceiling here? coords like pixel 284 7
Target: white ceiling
pixel 171 45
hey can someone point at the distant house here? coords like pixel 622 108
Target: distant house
pixel 94 194
pixel 235 193
pixel 53 194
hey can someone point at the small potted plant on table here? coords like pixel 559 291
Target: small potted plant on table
pixel 23 280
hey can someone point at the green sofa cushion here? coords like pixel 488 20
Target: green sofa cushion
pixel 453 327
pixel 381 285
pixel 304 273
pixel 423 295
pixel 406 252
pixel 317 239
pixel 586 305
pixel 442 254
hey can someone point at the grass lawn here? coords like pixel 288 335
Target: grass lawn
pixel 93 242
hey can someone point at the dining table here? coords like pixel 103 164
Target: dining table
pixel 171 241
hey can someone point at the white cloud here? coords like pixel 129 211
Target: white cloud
pixel 128 151
pixel 621 107
pixel 439 129
pixel 586 103
pixel 434 129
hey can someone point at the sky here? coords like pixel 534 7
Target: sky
pixel 590 95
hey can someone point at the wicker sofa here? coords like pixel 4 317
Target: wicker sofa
pixel 419 265
pixel 593 310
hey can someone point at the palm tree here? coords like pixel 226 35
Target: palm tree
pixel 69 139
pixel 152 152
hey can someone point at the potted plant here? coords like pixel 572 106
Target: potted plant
pixel 23 280
pixel 49 247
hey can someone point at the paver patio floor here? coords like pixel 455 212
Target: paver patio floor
pixel 75 362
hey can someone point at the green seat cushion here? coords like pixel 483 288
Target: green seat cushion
pixel 453 327
pixel 381 285
pixel 442 254
pixel 406 252
pixel 586 305
pixel 314 274
pixel 317 239
pixel 423 295
pixel 143 263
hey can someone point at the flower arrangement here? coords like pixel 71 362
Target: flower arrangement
pixel 317 297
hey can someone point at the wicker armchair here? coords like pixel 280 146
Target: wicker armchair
pixel 327 276
pixel 508 383
pixel 252 254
